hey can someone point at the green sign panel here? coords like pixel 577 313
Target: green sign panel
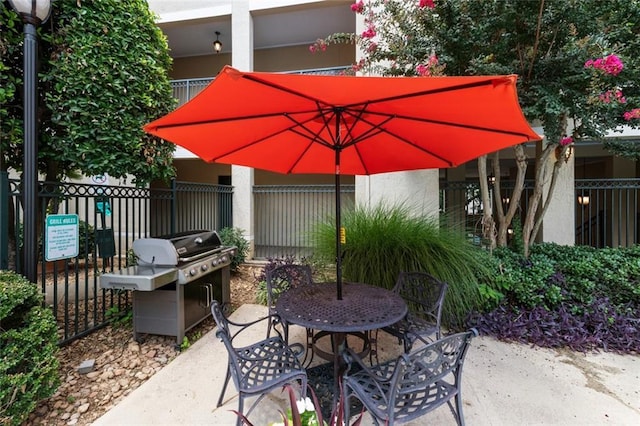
pixel 61 236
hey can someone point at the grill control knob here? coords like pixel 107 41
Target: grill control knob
pixel 193 272
pixel 214 262
pixel 204 267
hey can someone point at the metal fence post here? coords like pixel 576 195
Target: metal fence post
pixel 4 220
pixel 174 205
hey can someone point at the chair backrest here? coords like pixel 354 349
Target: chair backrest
pixel 423 293
pixel 283 277
pixel 255 366
pixel 222 325
pixel 423 367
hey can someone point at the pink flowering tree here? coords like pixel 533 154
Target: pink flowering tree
pixel 577 64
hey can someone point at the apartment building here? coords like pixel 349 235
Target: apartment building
pixel 274 36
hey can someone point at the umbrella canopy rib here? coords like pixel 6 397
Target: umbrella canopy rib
pixel 453 88
pixel 229 119
pixel 496 130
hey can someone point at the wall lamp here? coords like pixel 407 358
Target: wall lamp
pixel 217 45
pixel 583 200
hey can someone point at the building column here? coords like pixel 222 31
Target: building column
pixel 417 190
pixel 242 178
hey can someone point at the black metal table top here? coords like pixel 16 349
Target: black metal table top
pixel 363 307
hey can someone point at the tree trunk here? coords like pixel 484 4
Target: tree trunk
pixel 488 224
pixel 554 179
pixel 534 202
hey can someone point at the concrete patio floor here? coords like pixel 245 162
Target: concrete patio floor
pixel 503 384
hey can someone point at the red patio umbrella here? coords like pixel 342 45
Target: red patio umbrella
pixel 300 123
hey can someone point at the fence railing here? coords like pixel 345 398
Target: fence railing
pixel 461 204
pixel 110 218
pixel 286 215
pixel 607 212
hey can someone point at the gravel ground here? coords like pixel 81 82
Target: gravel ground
pixel 121 364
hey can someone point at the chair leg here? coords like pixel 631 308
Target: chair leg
pixel 345 404
pixel 457 410
pixel 460 418
pixel 407 345
pixel 309 348
pixel 224 387
pixel 239 421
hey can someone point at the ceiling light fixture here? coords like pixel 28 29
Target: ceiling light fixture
pixel 217 45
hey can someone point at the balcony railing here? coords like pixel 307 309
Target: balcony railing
pixel 185 89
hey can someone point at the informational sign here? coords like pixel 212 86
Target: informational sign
pixel 61 236
pixel 103 206
pixel 100 179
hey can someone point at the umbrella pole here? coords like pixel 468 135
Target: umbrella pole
pixel 338 244
pixel 338 112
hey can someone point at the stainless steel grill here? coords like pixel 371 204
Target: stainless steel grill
pixel 176 279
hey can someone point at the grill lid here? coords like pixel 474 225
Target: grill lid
pixel 169 250
pixel 188 244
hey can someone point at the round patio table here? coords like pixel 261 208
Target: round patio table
pixel 363 308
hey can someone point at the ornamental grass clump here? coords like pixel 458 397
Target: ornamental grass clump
pixel 385 240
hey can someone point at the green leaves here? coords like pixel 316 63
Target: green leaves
pixel 104 74
pixel 28 349
pixel 545 43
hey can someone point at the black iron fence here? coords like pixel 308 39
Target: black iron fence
pixel 461 204
pixel 607 212
pixel 285 216
pixel 109 218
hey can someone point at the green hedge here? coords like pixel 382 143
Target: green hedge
pixel 28 349
pixel 555 274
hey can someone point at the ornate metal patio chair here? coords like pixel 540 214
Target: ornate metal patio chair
pixel 412 385
pixel 283 277
pixel 259 367
pixel 280 279
pixel 424 295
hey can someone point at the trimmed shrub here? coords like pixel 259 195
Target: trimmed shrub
pixel 577 276
pixel 579 297
pixel 28 349
pixel 235 237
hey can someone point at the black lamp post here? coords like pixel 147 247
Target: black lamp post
pixel 33 12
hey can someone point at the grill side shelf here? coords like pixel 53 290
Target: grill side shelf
pixel 138 278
